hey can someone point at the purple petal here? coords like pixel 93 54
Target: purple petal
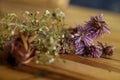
pixel 101 17
pixel 95 51
pixel 87 40
pixel 79 46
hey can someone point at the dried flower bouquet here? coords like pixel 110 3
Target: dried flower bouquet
pixel 44 37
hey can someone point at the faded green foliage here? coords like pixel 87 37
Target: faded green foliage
pixel 45 31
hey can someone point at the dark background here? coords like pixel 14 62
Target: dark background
pixel 109 5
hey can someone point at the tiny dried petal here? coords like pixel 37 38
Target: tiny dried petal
pixel 101 17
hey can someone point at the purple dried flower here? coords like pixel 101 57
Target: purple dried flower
pixel 84 50
pixel 79 46
pixel 82 38
pixel 87 40
pixel 107 50
pixel 96 27
pixel 79 39
pixel 95 51
pixel 79 32
pixel 82 42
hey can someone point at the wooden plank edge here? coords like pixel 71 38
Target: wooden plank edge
pixel 53 72
pixel 90 62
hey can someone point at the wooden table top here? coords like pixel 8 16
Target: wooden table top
pixel 76 67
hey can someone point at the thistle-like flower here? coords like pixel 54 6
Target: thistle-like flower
pixel 96 27
pixel 95 51
pixel 81 40
pixel 106 50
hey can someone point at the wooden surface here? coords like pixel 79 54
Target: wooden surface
pixel 75 67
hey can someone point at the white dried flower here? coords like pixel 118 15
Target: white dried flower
pixel 56 54
pixel 51 60
pixel 38 12
pixel 47 12
pixel 27 12
pixel 54 48
pixel 63 36
pixel 62 14
pixel 72 36
pixel 51 40
pixel 12 32
pixel 37 61
pixel 37 21
pixel 40 29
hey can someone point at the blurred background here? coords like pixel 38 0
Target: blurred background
pixel 109 5
pixel 13 5
pixel 76 11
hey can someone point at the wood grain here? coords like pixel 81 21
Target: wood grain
pixel 75 67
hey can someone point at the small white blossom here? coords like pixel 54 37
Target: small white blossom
pixel 27 12
pixel 38 12
pixel 51 60
pixel 47 12
pixel 40 29
pixel 12 32
pixel 37 62
pixel 62 14
pixel 72 36
pixel 63 36
pixel 56 54
pixel 54 48
pixel 37 21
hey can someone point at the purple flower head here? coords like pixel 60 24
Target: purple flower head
pixel 80 40
pixel 83 37
pixel 96 27
pixel 107 50
pixel 87 40
pixel 82 49
pixel 95 51
pixel 81 43
pixel 79 46
pixel 79 32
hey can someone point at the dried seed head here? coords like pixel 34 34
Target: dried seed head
pixel 108 50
